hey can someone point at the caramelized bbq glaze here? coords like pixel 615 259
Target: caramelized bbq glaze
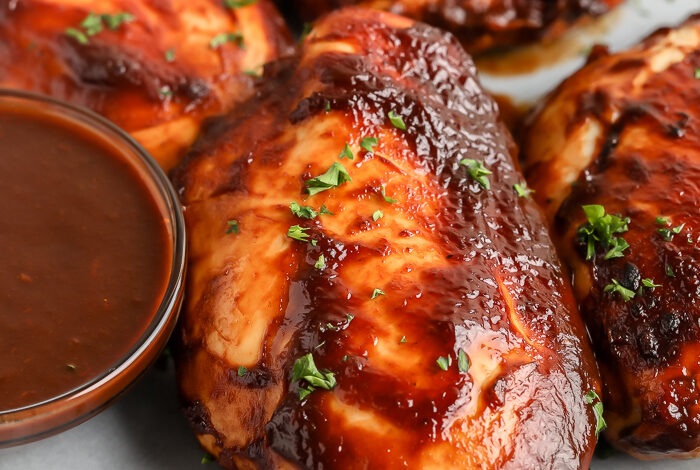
pixel 479 24
pixel 460 266
pixel 124 74
pixel 624 132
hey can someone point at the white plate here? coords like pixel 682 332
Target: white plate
pixel 146 429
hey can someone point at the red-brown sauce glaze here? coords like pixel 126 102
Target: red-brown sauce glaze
pixel 85 256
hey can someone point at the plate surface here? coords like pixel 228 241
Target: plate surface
pixel 146 429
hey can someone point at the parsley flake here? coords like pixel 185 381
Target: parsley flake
pixel 669 271
pixel 592 398
pixel 463 361
pixel 403 340
pixel 697 73
pixel 390 200
pixel 396 120
pixel 305 369
pixel 92 24
pixel 476 170
pixel 223 38
pixel 522 190
pixel 170 55
pixel 320 262
pixel 254 73
pixel 443 362
pixel 600 228
pixel 377 215
pixel 346 153
pixel 71 366
pixel 333 177
pixel 207 458
pixel 662 221
pixel 114 21
pixel 328 109
pixel 324 211
pixel 624 292
pixel 242 371
pixel 368 143
pixel 377 292
pixel 297 232
pixel 77 35
pixel 650 283
pixel 305 212
pixel 165 91
pixel 239 3
pixel 232 226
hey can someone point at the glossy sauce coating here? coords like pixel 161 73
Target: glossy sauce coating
pixel 156 76
pixel 479 24
pixel 460 268
pixel 624 132
pixel 85 257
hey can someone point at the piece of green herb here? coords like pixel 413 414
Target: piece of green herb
pixel 232 226
pixel 377 215
pixel 477 171
pixel 320 262
pixel 697 73
pixel 463 361
pixel 324 211
pixel 345 358
pixel 223 38
pixel 650 283
pixel 77 35
pixel 305 212
pixel 669 271
pixel 297 232
pixel 314 242
pixel 71 366
pixel 377 292
pixel 390 200
pixel 165 91
pixel 92 24
pixel 328 109
pixel 403 340
pixel 368 143
pixel 396 120
pixel 170 55
pixel 600 229
pixel 624 292
pixel 333 177
pixel 242 371
pixel 592 398
pixel 662 221
pixel 522 190
pixel 239 3
pixel 254 73
pixel 115 21
pixel 443 362
pixel 346 153
pixel 207 458
pixel 305 369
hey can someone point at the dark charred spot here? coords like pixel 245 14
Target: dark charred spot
pixel 648 344
pixel 632 278
pixel 258 377
pixel 670 323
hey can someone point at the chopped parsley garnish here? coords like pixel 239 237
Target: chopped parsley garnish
pixel 522 190
pixel 667 234
pixel 324 210
pixel 624 292
pixel 403 339
pixel 377 292
pixel 333 177
pixel 463 361
pixel 368 143
pixel 165 91
pixel 443 362
pixel 349 317
pixel 600 228
pixel 592 398
pixel 306 212
pixel 377 215
pixel 314 242
pixel 114 21
pixel 662 221
pixel 207 458
pixel 239 3
pixel 92 24
pixel 650 283
pixel 697 73
pixel 71 366
pixel 297 232
pixel 476 170
pixel 346 153
pixel 170 55
pixel 390 200
pixel 254 73
pixel 669 271
pixel 305 369
pixel 345 358
pixel 232 226
pixel 223 38
pixel 320 262
pixel 396 120
pixel 328 109
pixel 77 35
pixel 242 371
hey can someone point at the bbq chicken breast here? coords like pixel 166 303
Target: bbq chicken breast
pixel 155 68
pixel 367 289
pixel 614 155
pixel 478 24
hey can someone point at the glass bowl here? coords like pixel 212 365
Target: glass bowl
pixel 64 411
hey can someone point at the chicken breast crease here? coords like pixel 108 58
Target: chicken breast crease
pixel 155 68
pixel 367 289
pixel 614 154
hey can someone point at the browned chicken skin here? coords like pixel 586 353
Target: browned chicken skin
pixel 479 24
pixel 624 132
pixel 419 268
pixel 155 74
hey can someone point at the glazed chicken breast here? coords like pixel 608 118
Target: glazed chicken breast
pixel 479 24
pixel 155 68
pixel 614 155
pixel 367 289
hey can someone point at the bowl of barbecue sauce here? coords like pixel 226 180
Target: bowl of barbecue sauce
pixel 93 259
